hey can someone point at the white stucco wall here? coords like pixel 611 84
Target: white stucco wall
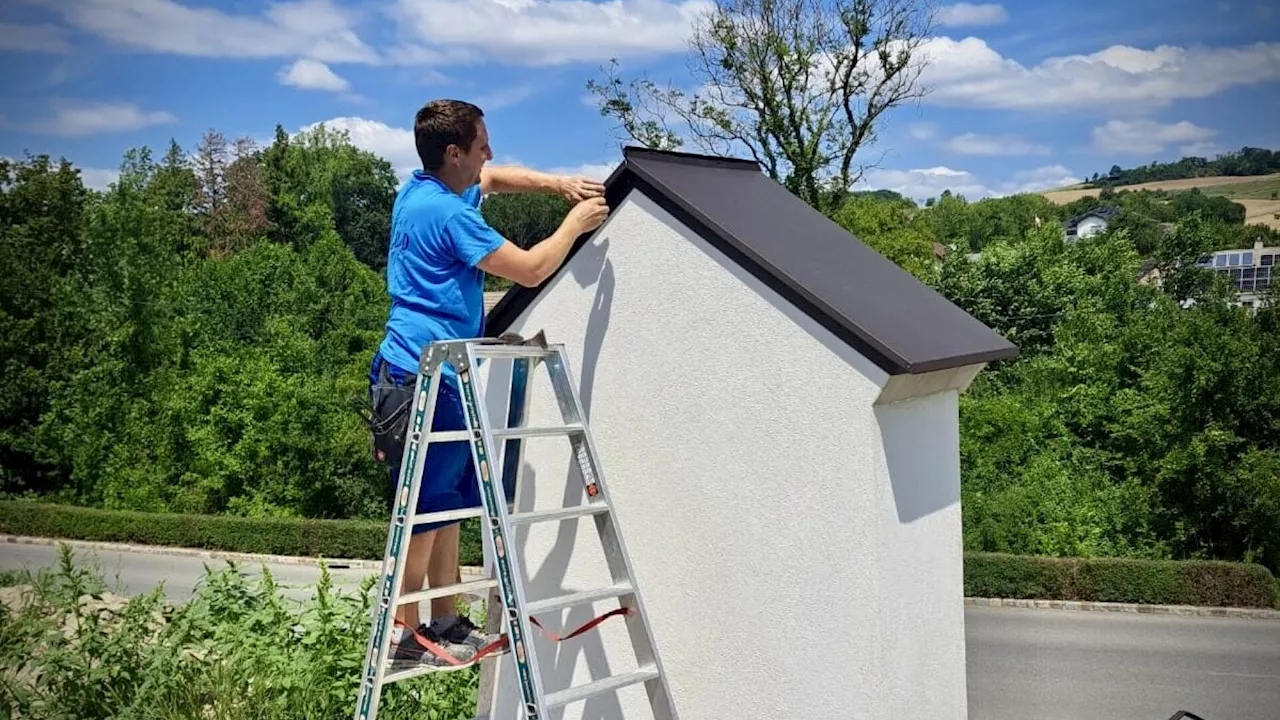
pixel 797 547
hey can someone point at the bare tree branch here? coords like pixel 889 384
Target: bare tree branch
pixel 799 85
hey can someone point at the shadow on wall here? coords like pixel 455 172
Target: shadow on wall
pixel 590 266
pixel 920 452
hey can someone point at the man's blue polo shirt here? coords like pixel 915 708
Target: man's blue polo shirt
pixel 437 292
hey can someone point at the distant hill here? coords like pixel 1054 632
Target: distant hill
pixel 1260 195
pixel 1247 161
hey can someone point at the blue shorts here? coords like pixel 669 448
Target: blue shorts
pixel 448 475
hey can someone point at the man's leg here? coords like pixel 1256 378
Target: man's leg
pixel 416 565
pixel 443 569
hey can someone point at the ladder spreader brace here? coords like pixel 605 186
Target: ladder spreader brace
pixel 506 578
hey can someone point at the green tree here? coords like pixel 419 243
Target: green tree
pixel 41 244
pixel 895 228
pixel 800 86
pixel 318 179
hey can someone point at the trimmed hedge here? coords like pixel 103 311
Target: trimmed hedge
pixel 1164 582
pixel 1161 582
pixel 347 539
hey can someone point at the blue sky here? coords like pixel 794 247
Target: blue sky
pixel 1023 95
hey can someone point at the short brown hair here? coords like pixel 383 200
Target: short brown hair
pixel 441 123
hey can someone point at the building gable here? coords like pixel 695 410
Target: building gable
pixel 896 321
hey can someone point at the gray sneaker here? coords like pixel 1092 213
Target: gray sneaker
pixel 410 653
pixel 455 630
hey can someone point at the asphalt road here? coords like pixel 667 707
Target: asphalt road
pixel 1023 664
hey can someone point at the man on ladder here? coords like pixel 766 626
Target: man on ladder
pixel 440 249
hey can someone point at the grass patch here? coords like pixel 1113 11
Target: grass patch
pixel 1252 190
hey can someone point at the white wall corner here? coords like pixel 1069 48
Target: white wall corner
pixel 909 387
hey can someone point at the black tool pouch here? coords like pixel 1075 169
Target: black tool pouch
pixel 386 413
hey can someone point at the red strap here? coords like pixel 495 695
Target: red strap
pixel 584 628
pixel 502 639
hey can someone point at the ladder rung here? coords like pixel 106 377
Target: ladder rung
pixel 447 515
pixel 511 351
pixel 465 588
pixel 530 432
pixel 599 687
pixel 449 436
pixel 564 513
pixel 579 598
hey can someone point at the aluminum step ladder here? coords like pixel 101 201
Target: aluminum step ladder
pixel 505 576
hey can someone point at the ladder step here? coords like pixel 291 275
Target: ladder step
pixel 579 598
pixel 599 687
pixel 564 513
pixel 449 436
pixel 515 352
pixel 447 515
pixel 531 432
pixel 466 588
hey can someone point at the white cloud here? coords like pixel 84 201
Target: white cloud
pixel 923 130
pixel 506 97
pixel 98 178
pixel 973 144
pixel 1146 137
pixel 595 171
pixel 393 144
pixel 962 14
pixel 1041 178
pixel 312 75
pixel 545 32
pixel 970 73
pixel 43 37
pixel 318 29
pixel 925 182
pixel 80 118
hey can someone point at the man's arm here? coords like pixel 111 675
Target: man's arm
pixel 530 268
pixel 516 179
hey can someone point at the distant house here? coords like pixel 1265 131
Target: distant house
pixel 1088 223
pixel 1252 271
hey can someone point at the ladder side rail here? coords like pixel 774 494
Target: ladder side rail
pixel 619 563
pixel 509 574
pixel 519 396
pixel 397 547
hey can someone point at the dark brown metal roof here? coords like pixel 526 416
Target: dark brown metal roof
pixel 898 322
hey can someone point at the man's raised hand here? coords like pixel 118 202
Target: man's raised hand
pixel 575 189
pixel 588 215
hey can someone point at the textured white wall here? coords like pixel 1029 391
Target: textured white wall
pixel 796 545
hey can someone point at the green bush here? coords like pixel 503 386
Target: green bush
pixel 348 539
pixel 238 650
pixel 1163 582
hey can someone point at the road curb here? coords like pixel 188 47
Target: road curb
pixel 1134 608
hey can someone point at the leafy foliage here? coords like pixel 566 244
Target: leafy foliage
pixel 171 357
pixel 238 650
pixel 189 342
